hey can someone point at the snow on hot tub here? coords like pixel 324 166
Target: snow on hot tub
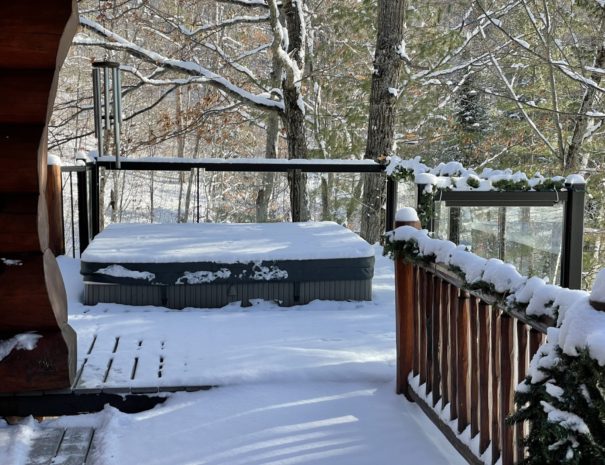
pixel 210 265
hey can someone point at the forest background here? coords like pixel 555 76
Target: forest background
pixel 504 84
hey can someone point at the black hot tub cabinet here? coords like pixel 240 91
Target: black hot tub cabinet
pixel 210 265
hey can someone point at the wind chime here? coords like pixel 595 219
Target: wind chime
pixel 107 96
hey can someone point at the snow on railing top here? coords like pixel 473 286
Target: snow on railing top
pixel 454 176
pixel 579 325
pixel 246 161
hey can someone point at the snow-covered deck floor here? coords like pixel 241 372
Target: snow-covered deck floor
pixel 303 385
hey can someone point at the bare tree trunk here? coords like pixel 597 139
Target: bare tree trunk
pixel 271 150
pixel 381 124
pixel 579 131
pixel 352 204
pixel 325 199
pixel 297 148
pixel 264 193
pixel 293 63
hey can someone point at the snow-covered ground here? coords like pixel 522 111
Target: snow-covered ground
pixel 303 385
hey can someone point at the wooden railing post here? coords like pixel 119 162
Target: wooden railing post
pixel 404 295
pixel 54 202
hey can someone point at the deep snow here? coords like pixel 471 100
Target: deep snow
pixel 304 385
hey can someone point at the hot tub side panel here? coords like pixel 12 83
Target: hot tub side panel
pixel 338 279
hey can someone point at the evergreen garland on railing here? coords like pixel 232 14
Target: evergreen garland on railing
pixel 565 408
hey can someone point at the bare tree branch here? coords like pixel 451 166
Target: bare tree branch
pixel 203 75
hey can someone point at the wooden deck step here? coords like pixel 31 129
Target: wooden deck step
pixel 114 363
pixel 70 446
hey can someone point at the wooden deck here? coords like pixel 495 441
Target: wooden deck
pixel 131 374
pixel 120 365
pixel 54 446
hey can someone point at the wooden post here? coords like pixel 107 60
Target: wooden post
pixel 55 206
pixel 404 295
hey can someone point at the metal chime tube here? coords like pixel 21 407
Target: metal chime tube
pixel 117 112
pixel 97 96
pixel 106 97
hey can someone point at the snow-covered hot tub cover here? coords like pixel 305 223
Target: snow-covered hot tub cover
pixel 174 254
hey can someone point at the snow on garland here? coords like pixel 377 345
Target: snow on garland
pixel 563 397
pixel 454 176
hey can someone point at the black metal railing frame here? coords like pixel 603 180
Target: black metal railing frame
pixel 88 177
pixel 573 218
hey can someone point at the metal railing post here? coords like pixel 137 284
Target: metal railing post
pixel 391 204
pixel 94 199
pixel 83 214
pixel 573 237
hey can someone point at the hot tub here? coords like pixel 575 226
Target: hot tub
pixel 209 265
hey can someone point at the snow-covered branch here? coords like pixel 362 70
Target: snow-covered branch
pixel 229 22
pixel 190 68
pixel 289 64
pixel 245 3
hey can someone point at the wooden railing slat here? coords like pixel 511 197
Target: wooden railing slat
pixel 416 322
pixel 428 318
pixel 436 340
pixel 453 340
pixel 444 343
pixel 463 360
pixel 484 357
pixel 522 367
pixel 494 384
pixel 474 366
pixel 507 387
pixel 422 326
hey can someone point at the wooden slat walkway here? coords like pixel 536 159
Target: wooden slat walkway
pixel 60 446
pixel 117 364
pixel 126 372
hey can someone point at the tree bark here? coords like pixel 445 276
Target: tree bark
pixel 573 152
pixel 573 158
pixel 293 62
pixel 271 150
pixel 381 124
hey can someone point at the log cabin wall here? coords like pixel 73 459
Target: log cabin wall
pixel 34 39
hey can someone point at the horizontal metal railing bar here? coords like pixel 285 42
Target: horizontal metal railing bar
pixel 73 168
pixel 501 198
pixel 501 203
pixel 244 164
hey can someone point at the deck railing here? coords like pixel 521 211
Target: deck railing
pixel 81 223
pixel 459 348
